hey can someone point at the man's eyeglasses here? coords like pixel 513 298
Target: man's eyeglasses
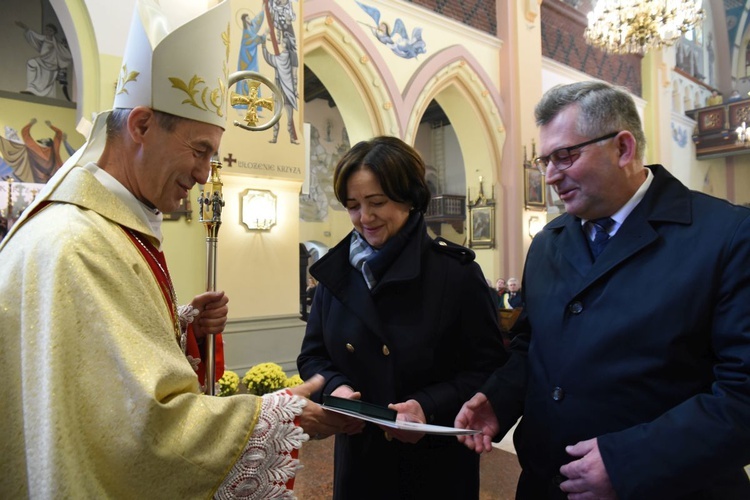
pixel 564 157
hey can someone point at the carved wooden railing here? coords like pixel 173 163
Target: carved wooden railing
pixel 446 209
pixel 715 130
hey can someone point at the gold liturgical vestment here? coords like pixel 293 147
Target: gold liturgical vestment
pixel 98 399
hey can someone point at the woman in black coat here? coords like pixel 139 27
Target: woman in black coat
pixel 399 319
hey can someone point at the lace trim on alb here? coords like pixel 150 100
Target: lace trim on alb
pixel 266 464
pixel 186 314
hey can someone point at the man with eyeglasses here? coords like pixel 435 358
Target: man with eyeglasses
pixel 631 360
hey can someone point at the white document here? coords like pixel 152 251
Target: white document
pixel 406 426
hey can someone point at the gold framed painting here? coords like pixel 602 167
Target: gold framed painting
pixel 534 189
pixel 482 227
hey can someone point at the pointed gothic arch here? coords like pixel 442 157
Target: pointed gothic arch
pixel 351 73
pixel 350 66
pixel 456 81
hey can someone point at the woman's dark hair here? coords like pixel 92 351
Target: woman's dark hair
pixel 397 166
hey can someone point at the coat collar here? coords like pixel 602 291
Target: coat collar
pixel 667 200
pixel 334 266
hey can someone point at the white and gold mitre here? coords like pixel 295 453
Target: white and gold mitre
pixel 176 59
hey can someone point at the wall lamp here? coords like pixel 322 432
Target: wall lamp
pixel 258 209
pixel 743 135
pixel 535 225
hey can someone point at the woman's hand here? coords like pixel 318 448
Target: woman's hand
pixel 408 411
pixel 346 392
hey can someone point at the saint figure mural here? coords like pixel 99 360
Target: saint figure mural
pixel 283 58
pixel 248 58
pixel 51 65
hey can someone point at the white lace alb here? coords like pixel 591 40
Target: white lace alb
pixel 266 464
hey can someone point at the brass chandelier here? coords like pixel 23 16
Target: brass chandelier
pixel 637 26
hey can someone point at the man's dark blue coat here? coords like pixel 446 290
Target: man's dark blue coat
pixel 647 348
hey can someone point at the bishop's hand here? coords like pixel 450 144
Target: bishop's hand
pixel 212 313
pixel 319 423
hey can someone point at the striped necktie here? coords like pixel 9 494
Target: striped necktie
pixel 601 235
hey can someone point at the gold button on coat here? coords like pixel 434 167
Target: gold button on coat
pixel 349 347
pixel 386 351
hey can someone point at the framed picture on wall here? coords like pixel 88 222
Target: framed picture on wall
pixel 482 227
pixel 534 189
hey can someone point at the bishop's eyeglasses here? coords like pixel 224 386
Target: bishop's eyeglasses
pixel 564 158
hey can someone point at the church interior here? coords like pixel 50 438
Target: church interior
pixel 457 80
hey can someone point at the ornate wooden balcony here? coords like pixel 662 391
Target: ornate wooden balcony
pixel 446 209
pixel 715 131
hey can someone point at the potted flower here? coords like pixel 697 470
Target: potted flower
pixel 229 383
pixel 264 378
pixel 293 381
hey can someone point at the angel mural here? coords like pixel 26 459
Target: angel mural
pixel 396 39
pixel 33 160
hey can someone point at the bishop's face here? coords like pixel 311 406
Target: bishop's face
pixel 172 162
